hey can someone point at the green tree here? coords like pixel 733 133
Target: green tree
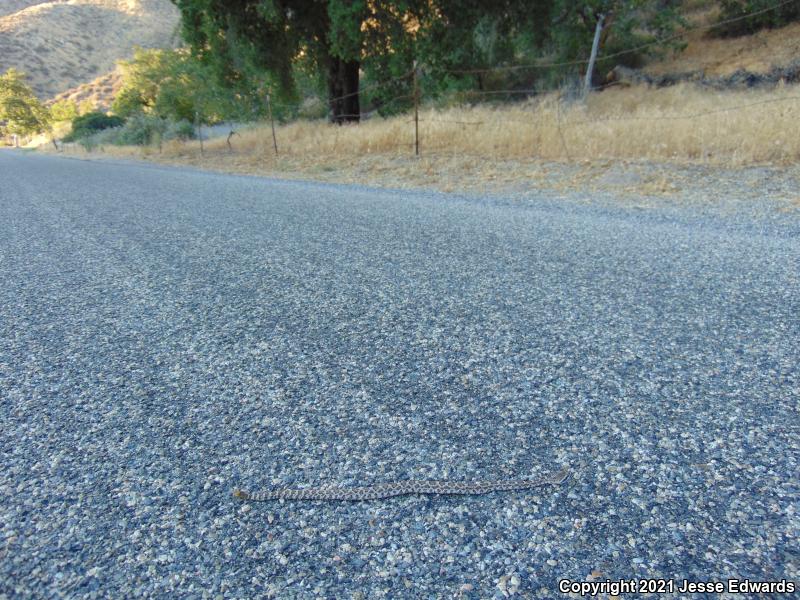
pixel 63 110
pixel 174 84
pixel 21 112
pixel 632 29
pixel 458 42
pixel 332 37
pixel 473 36
pixel 90 123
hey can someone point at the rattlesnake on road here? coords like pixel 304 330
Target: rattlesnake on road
pixel 403 488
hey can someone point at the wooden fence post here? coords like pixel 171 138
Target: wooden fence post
pixel 199 132
pixel 272 123
pixel 558 126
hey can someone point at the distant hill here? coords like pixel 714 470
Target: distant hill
pixel 101 91
pixel 9 7
pixel 64 44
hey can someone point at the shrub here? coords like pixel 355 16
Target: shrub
pixel 128 103
pixel 90 123
pixel 101 138
pixel 182 130
pixel 63 110
pixel 141 130
pixel 733 9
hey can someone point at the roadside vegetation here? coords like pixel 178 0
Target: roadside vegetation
pixel 504 80
pixel 679 123
pixel 21 112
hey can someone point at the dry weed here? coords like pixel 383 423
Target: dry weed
pixel 678 123
pixel 611 142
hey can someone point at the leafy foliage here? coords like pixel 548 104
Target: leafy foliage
pixel 361 52
pixel 631 31
pixel 175 85
pixel 141 130
pixel 63 110
pixel 90 123
pixel 21 112
pixel 271 40
pixel 182 131
pixel 733 9
pixel 476 50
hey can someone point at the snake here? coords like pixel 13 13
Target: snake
pixel 380 491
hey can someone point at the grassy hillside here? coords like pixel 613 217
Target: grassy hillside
pixel 722 56
pixel 9 7
pixel 63 44
pixel 100 92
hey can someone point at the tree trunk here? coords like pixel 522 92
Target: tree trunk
pixel 343 91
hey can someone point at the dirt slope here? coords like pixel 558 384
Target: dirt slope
pixel 757 53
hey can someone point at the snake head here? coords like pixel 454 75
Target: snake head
pixel 240 494
pixel 560 477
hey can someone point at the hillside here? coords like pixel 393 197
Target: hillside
pixel 64 44
pixel 9 7
pixel 756 53
pixel 100 92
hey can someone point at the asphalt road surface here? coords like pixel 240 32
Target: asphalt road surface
pixel 168 336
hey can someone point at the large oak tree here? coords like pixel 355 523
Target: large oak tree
pixel 333 36
pixel 342 39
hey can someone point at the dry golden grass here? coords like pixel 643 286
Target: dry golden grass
pixel 629 141
pixel 679 123
pixel 757 53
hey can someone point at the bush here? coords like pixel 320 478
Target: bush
pixel 101 138
pixel 128 103
pixel 63 111
pixel 182 130
pixel 733 9
pixel 141 130
pixel 90 123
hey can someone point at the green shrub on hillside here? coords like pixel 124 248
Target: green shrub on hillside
pixel 765 19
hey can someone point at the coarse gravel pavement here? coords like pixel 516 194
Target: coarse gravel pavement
pixel 169 335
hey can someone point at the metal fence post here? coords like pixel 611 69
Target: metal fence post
pixel 416 111
pixel 587 82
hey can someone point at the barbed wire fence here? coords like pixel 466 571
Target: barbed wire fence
pixel 413 80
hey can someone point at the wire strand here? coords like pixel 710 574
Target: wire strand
pixel 644 46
